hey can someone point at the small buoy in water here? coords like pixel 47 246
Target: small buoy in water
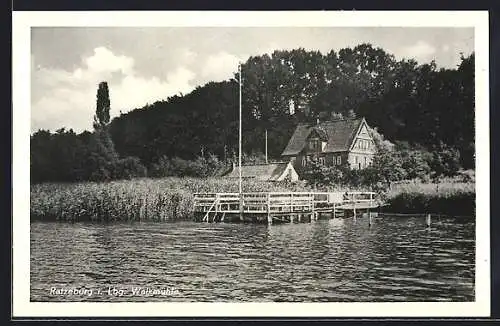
pixel 428 220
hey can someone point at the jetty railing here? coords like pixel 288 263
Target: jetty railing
pixel 254 202
pixel 281 202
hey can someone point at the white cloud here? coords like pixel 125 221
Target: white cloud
pixel 135 91
pixel 180 78
pixel 104 60
pixel 220 66
pixel 67 98
pixel 184 55
pixel 421 51
pixel 270 48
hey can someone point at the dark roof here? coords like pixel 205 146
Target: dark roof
pixel 271 171
pixel 340 134
pixel 321 132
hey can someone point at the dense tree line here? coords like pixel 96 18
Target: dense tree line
pixel 420 106
pixel 90 156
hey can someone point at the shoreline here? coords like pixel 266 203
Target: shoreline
pixel 456 203
pixel 171 199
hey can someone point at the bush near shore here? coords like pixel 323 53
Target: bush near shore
pixel 448 198
pixel 172 198
pixel 460 203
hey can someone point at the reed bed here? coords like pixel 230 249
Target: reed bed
pixel 450 198
pixel 172 198
pixel 443 188
pixel 115 201
pixel 132 200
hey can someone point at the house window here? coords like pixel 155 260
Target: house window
pixel 304 161
pixel 315 144
pixel 366 161
pixel 322 160
pixel 339 160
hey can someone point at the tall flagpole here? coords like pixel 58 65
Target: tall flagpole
pixel 239 153
pixel 266 146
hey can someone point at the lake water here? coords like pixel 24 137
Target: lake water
pixel 339 260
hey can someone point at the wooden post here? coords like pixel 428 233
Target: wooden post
pixel 354 209
pixel 216 206
pixel 241 207
pixel 269 219
pixel 370 221
pixel 312 207
pixel 428 220
pixel 334 210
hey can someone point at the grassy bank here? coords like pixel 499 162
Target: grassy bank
pixel 172 198
pixel 133 200
pixel 454 199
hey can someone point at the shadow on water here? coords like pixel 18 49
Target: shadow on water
pixel 396 259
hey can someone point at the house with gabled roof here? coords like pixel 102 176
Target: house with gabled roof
pixel 336 142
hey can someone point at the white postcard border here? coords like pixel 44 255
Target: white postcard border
pixel 21 25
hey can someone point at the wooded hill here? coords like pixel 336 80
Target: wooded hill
pixel 417 104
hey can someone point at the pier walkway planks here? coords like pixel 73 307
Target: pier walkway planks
pixel 273 204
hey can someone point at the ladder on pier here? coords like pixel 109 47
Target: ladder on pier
pixel 214 205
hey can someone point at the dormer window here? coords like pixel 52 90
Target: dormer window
pixel 317 140
pixel 315 144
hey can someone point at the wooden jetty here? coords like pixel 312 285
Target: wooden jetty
pixel 281 207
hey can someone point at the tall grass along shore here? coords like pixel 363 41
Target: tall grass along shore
pixel 132 200
pixel 172 198
pixel 448 198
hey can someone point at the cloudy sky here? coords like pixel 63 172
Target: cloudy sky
pixel 143 65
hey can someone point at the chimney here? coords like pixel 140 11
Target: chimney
pixel 291 107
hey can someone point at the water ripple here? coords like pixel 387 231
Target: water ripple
pixel 397 259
